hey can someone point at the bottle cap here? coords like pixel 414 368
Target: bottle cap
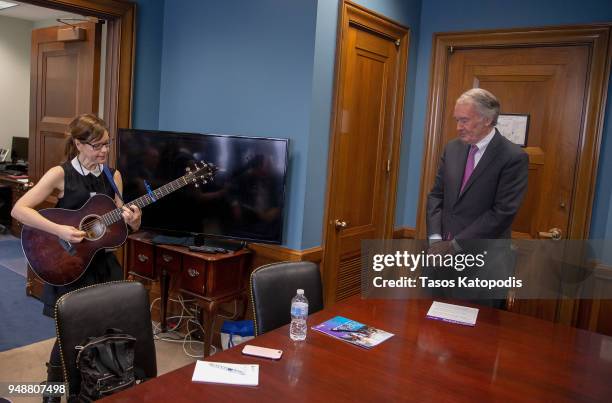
pixel 300 291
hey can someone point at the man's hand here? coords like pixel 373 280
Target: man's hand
pixel 441 248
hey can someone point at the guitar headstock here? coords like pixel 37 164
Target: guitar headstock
pixel 205 173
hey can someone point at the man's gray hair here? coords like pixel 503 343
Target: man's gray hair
pixel 485 103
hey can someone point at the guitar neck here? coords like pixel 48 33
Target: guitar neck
pixel 115 215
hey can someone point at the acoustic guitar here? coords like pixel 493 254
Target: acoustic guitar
pixel 58 262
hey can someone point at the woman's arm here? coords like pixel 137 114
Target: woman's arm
pixel 24 211
pixel 131 215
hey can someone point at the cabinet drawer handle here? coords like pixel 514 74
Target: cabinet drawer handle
pixel 193 272
pixel 167 258
pixel 142 258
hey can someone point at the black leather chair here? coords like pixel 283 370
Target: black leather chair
pixel 274 285
pixel 91 310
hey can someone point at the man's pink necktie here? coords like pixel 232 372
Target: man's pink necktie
pixel 469 165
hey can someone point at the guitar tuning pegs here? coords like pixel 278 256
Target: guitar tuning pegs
pixel 197 185
pixel 187 169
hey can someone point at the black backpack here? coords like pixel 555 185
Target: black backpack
pixel 106 364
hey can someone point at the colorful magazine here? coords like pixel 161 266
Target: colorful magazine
pixel 353 332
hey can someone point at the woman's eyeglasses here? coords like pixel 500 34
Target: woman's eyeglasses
pixel 98 146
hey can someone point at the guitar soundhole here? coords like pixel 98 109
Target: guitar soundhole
pixel 93 227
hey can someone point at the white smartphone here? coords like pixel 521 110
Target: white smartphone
pixel 262 352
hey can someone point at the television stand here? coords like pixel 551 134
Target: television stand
pixel 227 244
pixel 212 279
pixel 173 240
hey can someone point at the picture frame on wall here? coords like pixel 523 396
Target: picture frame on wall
pixel 514 127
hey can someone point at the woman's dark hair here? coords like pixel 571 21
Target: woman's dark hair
pixel 86 128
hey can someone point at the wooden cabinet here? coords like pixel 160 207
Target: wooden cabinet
pixel 212 279
pixel 17 189
pixel 34 285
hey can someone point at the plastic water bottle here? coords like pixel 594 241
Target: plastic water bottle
pixel 299 313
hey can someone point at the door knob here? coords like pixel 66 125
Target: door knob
pixel 340 224
pixel 553 233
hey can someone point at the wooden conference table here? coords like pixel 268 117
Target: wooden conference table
pixel 505 357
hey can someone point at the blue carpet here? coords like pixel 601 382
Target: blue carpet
pixel 22 320
pixel 11 254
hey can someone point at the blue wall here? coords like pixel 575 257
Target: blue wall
pixel 450 15
pixel 147 68
pixel 320 121
pixel 243 67
pixel 266 68
pixel 601 221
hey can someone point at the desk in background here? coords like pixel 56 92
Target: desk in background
pixel 505 357
pixel 17 189
pixel 19 184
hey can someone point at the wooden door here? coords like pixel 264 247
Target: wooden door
pixel 365 144
pixel 64 83
pixel 557 76
pixel 548 84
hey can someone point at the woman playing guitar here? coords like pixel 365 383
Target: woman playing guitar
pixel 75 181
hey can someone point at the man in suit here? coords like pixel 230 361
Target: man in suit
pixel 480 184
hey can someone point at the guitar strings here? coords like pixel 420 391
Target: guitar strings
pixel 95 222
pixel 90 225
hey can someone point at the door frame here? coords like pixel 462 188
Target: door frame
pixel 120 55
pixel 351 13
pixel 596 37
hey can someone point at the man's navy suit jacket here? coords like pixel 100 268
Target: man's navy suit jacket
pixel 491 198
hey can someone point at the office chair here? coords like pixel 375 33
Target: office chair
pixel 274 285
pixel 91 310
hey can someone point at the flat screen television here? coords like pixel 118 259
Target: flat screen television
pixel 245 201
pixel 19 149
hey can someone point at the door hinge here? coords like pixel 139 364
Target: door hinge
pixel 389 165
pixel 397 42
pixel 451 49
